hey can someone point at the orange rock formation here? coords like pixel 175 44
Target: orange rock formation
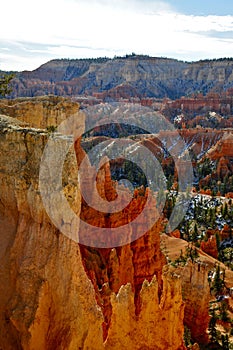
pixel 39 112
pixel 47 300
pixel 210 247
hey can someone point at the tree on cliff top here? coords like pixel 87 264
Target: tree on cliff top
pixel 5 80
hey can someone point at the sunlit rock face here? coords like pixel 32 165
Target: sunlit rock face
pixel 52 295
pixel 40 112
pixel 46 299
pixel 196 295
pixel 57 294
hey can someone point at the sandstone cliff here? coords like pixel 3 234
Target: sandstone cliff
pixel 138 332
pixel 210 247
pixel 57 294
pixel 40 112
pixel 195 287
pixel 129 266
pixel 47 300
pixel 196 294
pixel 44 293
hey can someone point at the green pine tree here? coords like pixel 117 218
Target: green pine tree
pixel 212 327
pixel 195 233
pixel 218 282
pixel 5 88
pixel 225 342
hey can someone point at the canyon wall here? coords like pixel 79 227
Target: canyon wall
pixel 57 294
pixel 196 295
pixel 44 291
pixel 126 77
pixel 40 112
pixel 153 328
pixel 48 295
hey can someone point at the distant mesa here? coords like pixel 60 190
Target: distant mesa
pixel 125 77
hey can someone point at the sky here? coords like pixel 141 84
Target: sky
pixel 33 32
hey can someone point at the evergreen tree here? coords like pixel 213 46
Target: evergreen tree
pixel 195 233
pixel 223 312
pixel 212 326
pixel 225 342
pixel 5 80
pixel 217 237
pixel 225 211
pixel 218 282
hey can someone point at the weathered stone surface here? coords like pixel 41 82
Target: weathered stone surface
pixel 210 247
pixel 40 112
pixel 195 287
pixel 151 329
pixel 136 75
pixel 46 299
pixel 196 295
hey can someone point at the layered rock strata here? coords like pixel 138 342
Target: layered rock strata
pixel 40 112
pixel 47 300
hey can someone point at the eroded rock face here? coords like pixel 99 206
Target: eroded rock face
pixel 136 75
pixel 55 294
pixel 108 268
pixel 46 299
pixel 150 329
pixel 196 295
pixel 40 112
pixel 195 286
pixel 210 247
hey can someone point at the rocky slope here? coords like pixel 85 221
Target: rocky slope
pixel 213 110
pixel 57 294
pixel 125 77
pixel 47 300
pixel 196 294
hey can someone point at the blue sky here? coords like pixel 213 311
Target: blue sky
pixel 203 7
pixel 37 31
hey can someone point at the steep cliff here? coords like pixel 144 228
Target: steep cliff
pixel 40 112
pixel 124 77
pixel 222 154
pixel 47 300
pixel 195 286
pixel 138 332
pixel 131 264
pixel 196 295
pixel 210 247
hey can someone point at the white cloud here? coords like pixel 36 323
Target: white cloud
pixel 81 28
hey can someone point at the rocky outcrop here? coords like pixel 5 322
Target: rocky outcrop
pixel 200 104
pixel 210 247
pixel 47 300
pixel 41 112
pixel 196 295
pixel 222 154
pixel 224 148
pixel 138 332
pixel 195 286
pixel 109 269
